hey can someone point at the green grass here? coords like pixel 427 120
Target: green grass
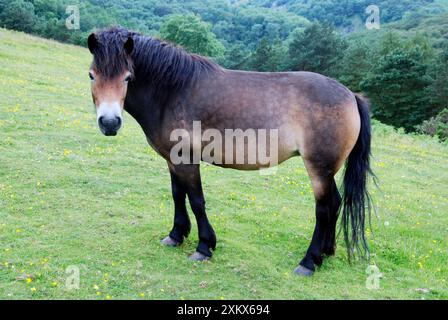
pixel 70 196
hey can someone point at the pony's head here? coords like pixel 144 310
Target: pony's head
pixel 110 73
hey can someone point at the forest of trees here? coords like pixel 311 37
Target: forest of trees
pixel 402 68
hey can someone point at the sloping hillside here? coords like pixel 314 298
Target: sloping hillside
pixel 72 197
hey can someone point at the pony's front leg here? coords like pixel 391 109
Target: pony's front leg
pixel 189 178
pixel 207 237
pixel 182 225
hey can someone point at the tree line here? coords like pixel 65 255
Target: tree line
pixel 405 75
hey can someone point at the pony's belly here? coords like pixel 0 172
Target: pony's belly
pixel 252 166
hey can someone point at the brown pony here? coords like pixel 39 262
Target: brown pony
pixel 167 89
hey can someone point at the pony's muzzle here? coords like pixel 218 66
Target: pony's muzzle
pixel 109 126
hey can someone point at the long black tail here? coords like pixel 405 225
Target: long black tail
pixel 356 202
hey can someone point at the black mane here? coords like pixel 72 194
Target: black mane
pixel 161 65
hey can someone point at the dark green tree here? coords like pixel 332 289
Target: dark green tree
pixel 17 15
pixel 268 57
pixel 397 88
pixel 193 34
pixel 389 42
pixel 355 64
pixel 279 56
pixel 260 58
pixel 438 90
pixel 237 57
pixel 318 48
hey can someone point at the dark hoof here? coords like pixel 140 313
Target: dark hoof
pixel 302 271
pixel 197 256
pixel 169 242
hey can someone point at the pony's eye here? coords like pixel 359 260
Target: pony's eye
pixel 127 79
pixel 91 76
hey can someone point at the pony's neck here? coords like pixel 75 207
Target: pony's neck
pixel 141 104
pixel 162 73
pixel 166 70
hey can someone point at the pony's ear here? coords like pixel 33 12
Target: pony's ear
pixel 92 42
pixel 129 45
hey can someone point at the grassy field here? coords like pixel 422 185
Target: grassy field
pixel 72 197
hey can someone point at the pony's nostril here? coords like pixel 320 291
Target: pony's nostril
pixel 113 122
pixel 100 121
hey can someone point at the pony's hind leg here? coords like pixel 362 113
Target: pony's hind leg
pixel 324 189
pixel 329 247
